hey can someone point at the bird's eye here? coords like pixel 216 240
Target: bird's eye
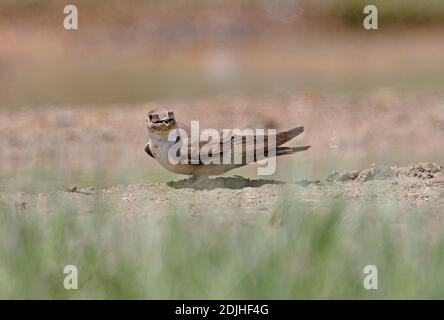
pixel 151 117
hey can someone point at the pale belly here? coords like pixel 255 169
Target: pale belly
pixel 160 152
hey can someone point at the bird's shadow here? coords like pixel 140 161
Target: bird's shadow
pixel 236 182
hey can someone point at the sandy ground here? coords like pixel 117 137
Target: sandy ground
pixel 379 126
pixel 244 201
pixel 346 133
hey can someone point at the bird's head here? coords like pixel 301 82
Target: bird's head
pixel 160 122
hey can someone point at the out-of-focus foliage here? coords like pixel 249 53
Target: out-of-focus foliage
pixel 277 12
pixel 307 252
pixel 391 12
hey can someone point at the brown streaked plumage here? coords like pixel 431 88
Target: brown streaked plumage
pixel 161 121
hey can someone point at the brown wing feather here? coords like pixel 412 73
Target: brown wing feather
pixel 283 137
pixel 148 150
pixel 252 145
pixel 248 146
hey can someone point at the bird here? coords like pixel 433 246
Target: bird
pixel 161 125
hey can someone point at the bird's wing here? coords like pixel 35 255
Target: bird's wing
pixel 252 143
pixel 148 150
pixel 239 144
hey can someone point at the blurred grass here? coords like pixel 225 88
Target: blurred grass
pixel 44 179
pixel 391 12
pixel 109 84
pixel 307 252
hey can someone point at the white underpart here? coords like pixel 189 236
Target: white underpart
pixel 159 149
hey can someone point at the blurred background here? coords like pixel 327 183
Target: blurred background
pixel 175 49
pixel 72 103
pixel 72 109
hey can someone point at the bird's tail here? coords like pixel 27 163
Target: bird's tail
pixel 285 136
pixel 281 151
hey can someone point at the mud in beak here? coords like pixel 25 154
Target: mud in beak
pixel 165 121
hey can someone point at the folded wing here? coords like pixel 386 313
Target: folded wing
pixel 250 147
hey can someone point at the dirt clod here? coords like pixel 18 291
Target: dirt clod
pixel 423 170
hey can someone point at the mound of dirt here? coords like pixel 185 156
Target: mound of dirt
pixel 416 184
pixel 424 171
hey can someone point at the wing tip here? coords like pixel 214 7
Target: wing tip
pixel 298 130
pixel 303 148
pixel 148 150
